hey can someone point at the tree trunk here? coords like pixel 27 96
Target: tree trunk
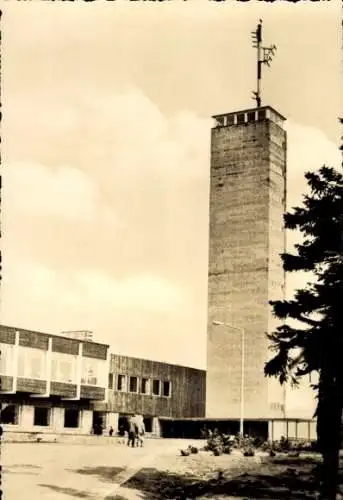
pixel 329 483
pixel 329 417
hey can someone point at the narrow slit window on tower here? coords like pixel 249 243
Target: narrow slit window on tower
pixel 230 119
pixel 262 114
pixel 219 121
pixel 240 118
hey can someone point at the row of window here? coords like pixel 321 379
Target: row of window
pixel 32 363
pixel 143 385
pixel 41 416
pixel 241 118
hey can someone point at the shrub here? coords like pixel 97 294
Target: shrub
pixel 284 444
pixel 249 452
pixel 267 446
pixel 219 443
pixel 217 451
pixel 185 453
pixel 258 442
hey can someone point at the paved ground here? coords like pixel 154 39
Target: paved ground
pixel 106 470
pixel 67 471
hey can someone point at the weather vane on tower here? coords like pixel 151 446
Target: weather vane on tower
pixel 264 56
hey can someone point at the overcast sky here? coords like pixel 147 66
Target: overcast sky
pixel 106 141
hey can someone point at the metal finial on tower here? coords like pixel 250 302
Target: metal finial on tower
pixel 264 56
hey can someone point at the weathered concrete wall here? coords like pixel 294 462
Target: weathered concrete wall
pixel 246 234
pixel 187 389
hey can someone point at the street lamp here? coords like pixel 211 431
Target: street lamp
pixel 242 332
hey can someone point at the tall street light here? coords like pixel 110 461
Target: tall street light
pixel 242 332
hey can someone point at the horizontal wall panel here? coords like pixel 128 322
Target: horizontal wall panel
pixel 64 390
pixel 31 386
pixel 91 392
pixel 7 335
pixel 94 350
pixel 36 340
pixel 6 383
pixel 65 346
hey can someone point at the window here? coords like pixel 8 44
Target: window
pixel 219 121
pixel 41 416
pixel 71 418
pixel 156 387
pixel 166 389
pixel 262 114
pixel 121 383
pixel 240 118
pixel 63 368
pixel 145 386
pixel 9 414
pixel 89 371
pixel 31 363
pixel 94 372
pixel 110 380
pixel 133 384
pixel 6 359
pixel 230 119
pixel 251 116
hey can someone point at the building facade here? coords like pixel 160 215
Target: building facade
pixel 68 384
pixel 61 385
pixel 155 390
pixel 247 236
pixel 50 383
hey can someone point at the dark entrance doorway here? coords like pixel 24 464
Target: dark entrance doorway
pixel 98 423
pixel 123 423
pixel 148 424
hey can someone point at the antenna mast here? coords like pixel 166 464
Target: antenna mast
pixel 264 56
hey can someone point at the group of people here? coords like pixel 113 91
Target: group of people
pixel 134 431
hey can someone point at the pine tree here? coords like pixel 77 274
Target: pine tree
pixel 311 338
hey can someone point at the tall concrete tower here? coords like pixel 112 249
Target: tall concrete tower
pixel 247 203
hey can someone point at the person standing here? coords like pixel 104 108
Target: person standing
pixel 132 432
pixel 141 433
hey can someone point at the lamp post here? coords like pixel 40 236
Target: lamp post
pixel 242 332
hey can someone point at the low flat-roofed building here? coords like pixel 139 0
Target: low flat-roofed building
pixel 61 385
pixel 153 389
pixel 50 382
